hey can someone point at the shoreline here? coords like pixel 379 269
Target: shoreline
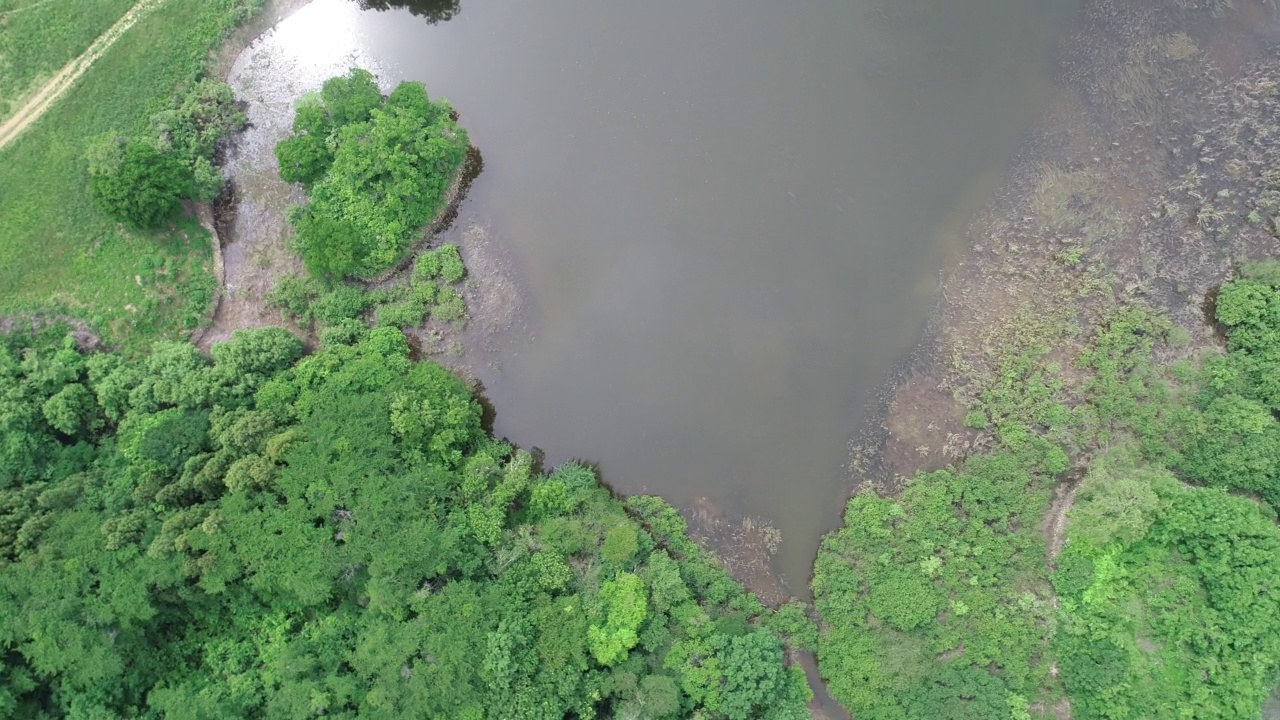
pixel 1139 188
pixel 250 216
pixel 1003 269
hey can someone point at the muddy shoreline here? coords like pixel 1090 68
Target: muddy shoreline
pixel 1081 223
pixel 249 219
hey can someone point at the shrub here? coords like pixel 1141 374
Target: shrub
pixel 451 268
pixel 341 302
pixel 141 180
pixel 402 313
pixel 427 267
pixel 449 306
pixel 293 295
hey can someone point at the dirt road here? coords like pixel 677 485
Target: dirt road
pixel 67 76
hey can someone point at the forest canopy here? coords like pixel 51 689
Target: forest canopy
pixel 272 535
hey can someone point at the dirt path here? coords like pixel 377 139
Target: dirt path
pixel 1056 525
pixel 66 77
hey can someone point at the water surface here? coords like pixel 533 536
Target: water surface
pixel 729 217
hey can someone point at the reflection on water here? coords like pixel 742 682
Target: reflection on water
pixel 433 11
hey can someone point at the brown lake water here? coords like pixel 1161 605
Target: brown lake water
pixel 727 219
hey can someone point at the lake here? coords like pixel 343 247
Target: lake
pixel 727 219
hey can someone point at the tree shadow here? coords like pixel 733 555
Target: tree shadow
pixel 433 11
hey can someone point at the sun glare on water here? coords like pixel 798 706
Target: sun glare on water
pixel 321 36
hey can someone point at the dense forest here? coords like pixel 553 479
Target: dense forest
pixel 263 534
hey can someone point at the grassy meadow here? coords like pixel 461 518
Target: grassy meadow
pixel 37 37
pixel 57 250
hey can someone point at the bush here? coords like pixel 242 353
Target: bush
pixel 451 268
pixel 341 302
pixel 293 295
pixel 450 306
pixel 142 180
pixel 345 332
pixel 402 313
pixel 427 268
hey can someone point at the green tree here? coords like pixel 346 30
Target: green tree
pixel 958 693
pixel 303 158
pixel 351 98
pixel 377 171
pixel 141 180
pixel 134 182
pixel 623 609
pixel 620 544
pixel 1117 506
pixel 73 410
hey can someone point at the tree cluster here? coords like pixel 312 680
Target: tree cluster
pixel 936 603
pixel 376 169
pixel 266 535
pixel 1170 598
pixel 433 11
pixel 141 179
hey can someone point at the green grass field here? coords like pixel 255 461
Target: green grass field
pixel 37 37
pixel 57 251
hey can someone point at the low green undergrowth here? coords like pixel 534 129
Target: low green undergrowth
pixel 332 309
pixel 38 37
pixel 937 604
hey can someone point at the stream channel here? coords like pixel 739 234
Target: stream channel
pixel 718 224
